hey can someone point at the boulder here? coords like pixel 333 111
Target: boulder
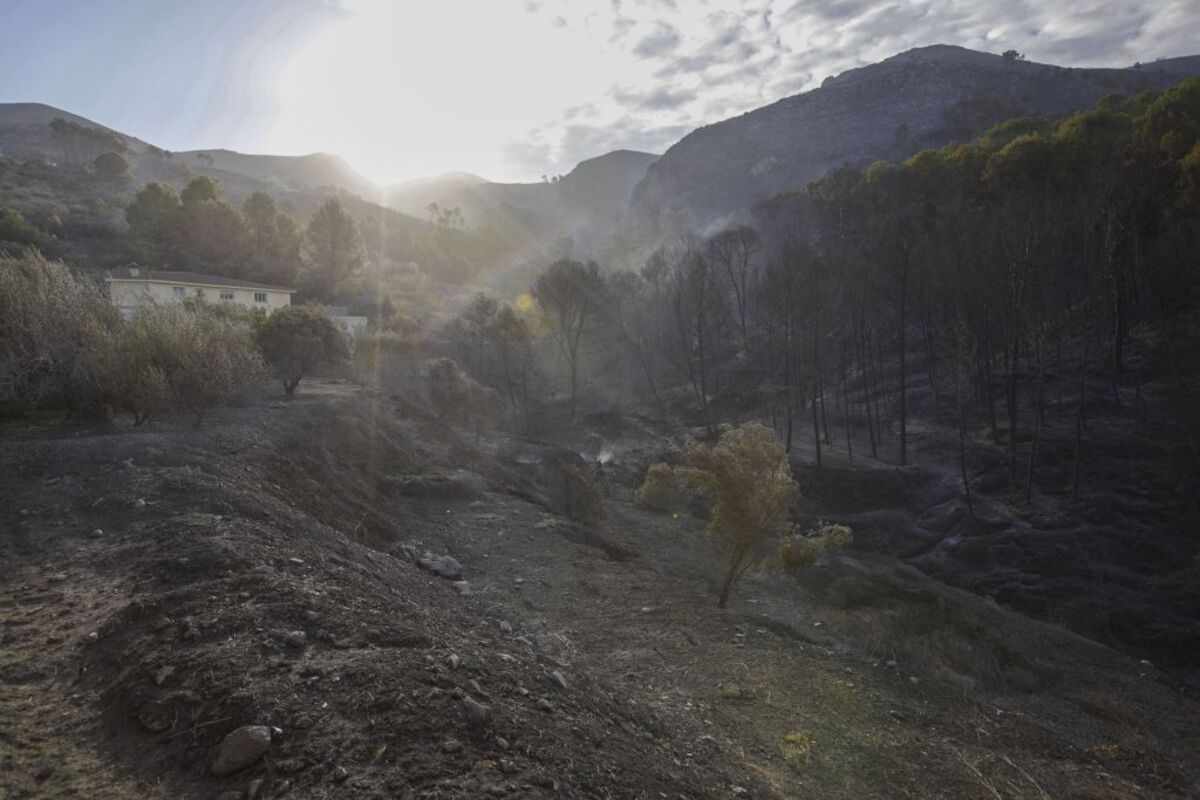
pixel 241 748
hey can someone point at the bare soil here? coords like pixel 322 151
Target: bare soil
pixel 153 584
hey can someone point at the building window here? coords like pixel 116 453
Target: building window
pixel 200 293
pixel 260 297
pixel 226 295
pixel 180 292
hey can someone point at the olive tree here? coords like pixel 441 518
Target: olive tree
pixel 296 341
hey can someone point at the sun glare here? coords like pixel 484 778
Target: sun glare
pixel 407 90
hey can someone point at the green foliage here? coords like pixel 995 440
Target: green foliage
pixel 111 168
pixel 154 217
pixel 747 480
pixel 50 323
pixel 274 241
pixel 333 251
pixel 63 345
pixel 296 341
pixel 14 228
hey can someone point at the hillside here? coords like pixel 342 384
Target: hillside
pixel 314 171
pixel 163 588
pixel 922 98
pixel 587 204
pixel 50 180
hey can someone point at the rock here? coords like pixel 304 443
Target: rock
pixel 478 715
pixel 162 673
pixel 296 639
pixel 507 766
pixel 97 533
pixel 463 588
pixel 154 717
pixel 501 742
pixel 254 789
pixel 506 626
pixel 451 746
pixel 139 503
pixel 558 678
pixel 454 661
pixel 311 616
pixel 544 704
pixel 241 748
pixel 190 629
pixel 406 552
pixel 93 637
pixel 339 774
pixel 710 742
pixel 445 566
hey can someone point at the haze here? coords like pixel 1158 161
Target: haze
pixel 511 89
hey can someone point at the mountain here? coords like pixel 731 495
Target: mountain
pixel 312 171
pixel 26 133
pixel 587 205
pixel 925 97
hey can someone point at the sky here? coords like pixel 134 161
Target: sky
pixel 507 89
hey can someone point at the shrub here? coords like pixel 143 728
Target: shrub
pixel 14 228
pixel 296 341
pixel 457 397
pixel 799 551
pixel 54 326
pixel 582 500
pixel 660 490
pixel 748 480
pixel 63 345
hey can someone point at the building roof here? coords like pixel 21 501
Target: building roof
pixel 195 278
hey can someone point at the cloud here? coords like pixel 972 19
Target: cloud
pixel 659 99
pixel 720 58
pixel 659 42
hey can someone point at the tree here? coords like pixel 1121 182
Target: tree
pixel 569 294
pixel 111 168
pixel 212 236
pixel 200 190
pixel 478 319
pixel 14 228
pixel 733 251
pixel 333 250
pixel 748 480
pixel 298 340
pixel 273 241
pixel 154 218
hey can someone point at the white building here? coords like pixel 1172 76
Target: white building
pixel 133 287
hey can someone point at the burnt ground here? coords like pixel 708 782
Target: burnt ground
pixel 159 589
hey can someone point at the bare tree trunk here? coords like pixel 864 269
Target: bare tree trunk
pixel 816 427
pixel 1037 421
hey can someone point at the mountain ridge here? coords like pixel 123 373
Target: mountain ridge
pixel 923 97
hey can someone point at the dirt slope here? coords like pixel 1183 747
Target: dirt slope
pixel 241 576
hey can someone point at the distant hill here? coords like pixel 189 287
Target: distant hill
pixel 284 172
pixel 587 205
pixel 49 179
pixel 925 97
